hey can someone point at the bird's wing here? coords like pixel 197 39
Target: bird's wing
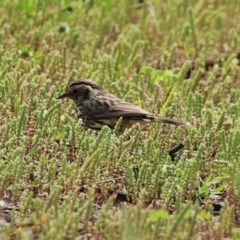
pixel 112 107
pixel 119 108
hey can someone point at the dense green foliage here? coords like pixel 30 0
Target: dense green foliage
pixel 177 59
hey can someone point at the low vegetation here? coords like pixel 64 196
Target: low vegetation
pixel 177 59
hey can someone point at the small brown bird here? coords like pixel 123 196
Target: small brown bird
pixel 6 207
pixel 97 107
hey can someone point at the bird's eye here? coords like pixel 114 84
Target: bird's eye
pixel 74 91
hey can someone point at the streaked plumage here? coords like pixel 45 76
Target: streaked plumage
pixel 6 207
pixel 97 107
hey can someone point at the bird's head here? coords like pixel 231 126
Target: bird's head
pixel 81 90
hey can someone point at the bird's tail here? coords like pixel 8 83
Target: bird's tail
pixel 172 121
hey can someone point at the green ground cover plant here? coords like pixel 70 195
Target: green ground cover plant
pixel 177 59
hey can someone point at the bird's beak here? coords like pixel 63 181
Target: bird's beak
pixel 62 96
